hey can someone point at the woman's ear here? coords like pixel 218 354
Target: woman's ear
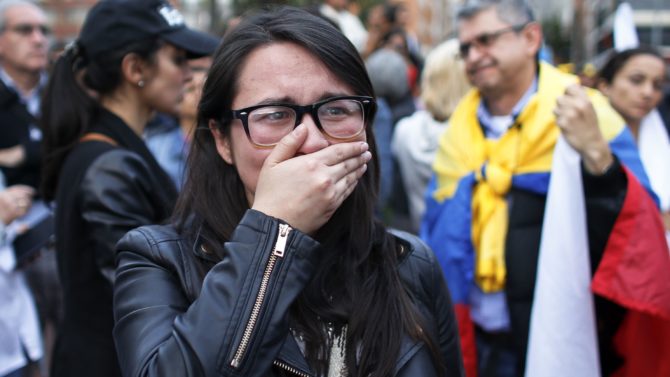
pixel 222 142
pixel 134 69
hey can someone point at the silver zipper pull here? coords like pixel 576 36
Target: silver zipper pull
pixel 280 245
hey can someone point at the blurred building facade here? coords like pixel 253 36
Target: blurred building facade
pixel 67 16
pixel 587 24
pixel 651 18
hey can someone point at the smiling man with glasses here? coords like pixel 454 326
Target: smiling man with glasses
pixel 485 214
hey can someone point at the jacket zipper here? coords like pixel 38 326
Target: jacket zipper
pixel 278 252
pixel 290 369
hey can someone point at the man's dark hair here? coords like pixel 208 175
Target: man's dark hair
pixel 617 60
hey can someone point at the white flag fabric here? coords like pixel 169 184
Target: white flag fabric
pixel 625 34
pixel 562 340
pixel 654 145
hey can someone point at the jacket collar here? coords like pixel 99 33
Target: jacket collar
pixel 203 248
pixel 291 355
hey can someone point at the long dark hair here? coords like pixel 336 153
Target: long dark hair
pixel 617 60
pixel 356 282
pixel 68 110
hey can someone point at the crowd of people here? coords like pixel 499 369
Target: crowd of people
pixel 314 195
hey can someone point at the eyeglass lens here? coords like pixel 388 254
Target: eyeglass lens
pixel 485 40
pixel 339 119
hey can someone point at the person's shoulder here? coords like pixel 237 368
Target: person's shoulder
pixel 418 122
pixel 152 241
pixel 154 234
pixel 115 160
pixel 81 157
pixel 417 253
pixel 418 268
pixel 111 173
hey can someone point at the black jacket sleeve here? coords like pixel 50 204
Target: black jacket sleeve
pixel 604 195
pixel 117 195
pixel 428 285
pixel 160 331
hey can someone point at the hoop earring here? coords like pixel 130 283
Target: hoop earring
pixel 140 83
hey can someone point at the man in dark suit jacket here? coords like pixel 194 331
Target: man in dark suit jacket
pixel 23 62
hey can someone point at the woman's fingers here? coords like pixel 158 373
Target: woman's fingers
pixel 350 165
pixel 578 121
pixel 337 153
pixel 305 190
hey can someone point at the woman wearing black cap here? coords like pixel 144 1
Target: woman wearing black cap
pixel 129 61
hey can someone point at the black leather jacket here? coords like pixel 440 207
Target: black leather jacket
pixel 105 190
pixel 184 310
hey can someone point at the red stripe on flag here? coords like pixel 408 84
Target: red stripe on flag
pixel 634 273
pixel 636 263
pixel 466 331
pixel 644 341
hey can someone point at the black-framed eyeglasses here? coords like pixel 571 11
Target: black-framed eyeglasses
pixel 340 118
pixel 486 40
pixel 29 29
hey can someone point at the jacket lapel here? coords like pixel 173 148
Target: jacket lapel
pixel 291 355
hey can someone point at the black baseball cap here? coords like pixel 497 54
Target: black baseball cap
pixel 111 24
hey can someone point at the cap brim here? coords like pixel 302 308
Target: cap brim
pixel 195 43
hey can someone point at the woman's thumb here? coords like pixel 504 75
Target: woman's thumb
pixel 288 146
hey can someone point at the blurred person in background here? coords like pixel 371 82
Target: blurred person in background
pixel 379 21
pixel 24 45
pixel 633 80
pixel 133 56
pixel 396 39
pixel 443 84
pixel 19 324
pixel 387 69
pixel 349 24
pixel 169 141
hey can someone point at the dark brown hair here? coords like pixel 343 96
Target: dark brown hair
pixel 356 282
pixel 617 60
